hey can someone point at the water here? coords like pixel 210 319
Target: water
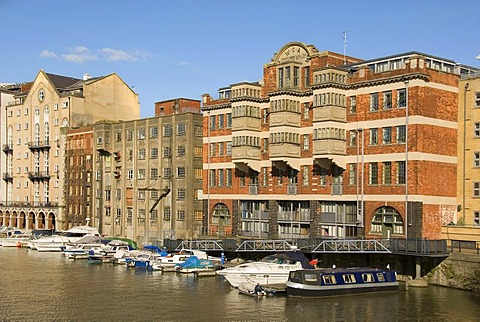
pixel 48 287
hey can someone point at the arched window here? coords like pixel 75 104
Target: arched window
pixel 221 213
pixel 387 222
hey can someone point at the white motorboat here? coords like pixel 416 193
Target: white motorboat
pixel 16 240
pixel 58 242
pixel 82 251
pixel 168 263
pixel 271 270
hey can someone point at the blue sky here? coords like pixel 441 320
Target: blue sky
pixel 170 49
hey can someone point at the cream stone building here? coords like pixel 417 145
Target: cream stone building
pixel 466 224
pixel 34 146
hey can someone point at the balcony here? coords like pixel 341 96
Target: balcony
pixel 246 123
pixel 289 216
pixel 322 147
pixel 329 113
pixel 285 118
pixel 8 148
pixel 246 156
pixel 284 150
pixel 38 145
pixel 39 175
pixel 8 176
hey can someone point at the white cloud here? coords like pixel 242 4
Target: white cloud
pixel 80 54
pixel 48 54
pixel 111 54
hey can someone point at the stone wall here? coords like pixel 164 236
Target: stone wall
pixel 459 271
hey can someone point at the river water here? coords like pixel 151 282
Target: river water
pixel 48 287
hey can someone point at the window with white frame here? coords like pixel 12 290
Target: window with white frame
pixel 228 178
pixel 141 134
pixel 401 98
pixel 167 172
pixel 476 189
pixel 306 142
pixel 305 175
pixel 387 135
pixel 477 99
pixel 181 150
pixel 476 159
pixel 181 128
pixel 476 218
pixel 141 154
pixel 130 174
pixel 352 173
pixel 353 104
pixel 166 213
pixel 374 136
pixel 373 173
pixel 141 174
pixel 373 102
pixel 154 153
pixel 181 215
pixel 401 134
pixel 353 138
pixel 181 194
pixel 387 100
pixel 476 130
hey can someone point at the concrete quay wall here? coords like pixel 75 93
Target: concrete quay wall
pixel 459 270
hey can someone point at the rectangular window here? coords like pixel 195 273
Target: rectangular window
pixel 323 177
pixel 197 130
pixel 181 215
pixel 373 136
pixel 221 147
pixel 213 146
pixel 129 135
pixel 373 173
pixel 280 78
pixel 476 130
pixel 306 110
pixel 229 120
pixel 141 174
pixel 167 130
pixel 221 121
pixel 353 138
pixel 296 76
pixel 229 148
pixel 181 128
pixel 197 215
pixel 387 100
pixel 129 174
pixel 387 135
pixel 181 194
pixel 305 175
pixel 141 134
pixel 401 134
pixel 401 98
pixel 181 172
pixel 476 189
pixel 108 195
pixel 154 153
pixel 476 218
pixel 153 174
pixel 213 177
pixel 198 173
pixel 166 213
pixel 265 145
pixel 153 132
pixel 306 142
pixel 387 173
pixel 141 154
pixel 353 104
pixel 401 172
pixel 213 120
pixel 352 173
pixel 373 102
pixel 476 159
pixel 306 76
pixel 228 178
pixel 181 150
pixel 167 152
pixel 221 178
pixel 167 172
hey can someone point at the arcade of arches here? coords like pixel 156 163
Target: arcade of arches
pixel 24 219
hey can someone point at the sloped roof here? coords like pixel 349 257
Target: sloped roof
pixel 62 82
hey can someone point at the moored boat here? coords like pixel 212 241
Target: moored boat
pixel 271 270
pixel 337 281
pixel 58 242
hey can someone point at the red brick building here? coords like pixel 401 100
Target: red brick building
pixel 332 146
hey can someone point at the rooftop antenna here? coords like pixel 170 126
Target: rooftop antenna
pixel 345 43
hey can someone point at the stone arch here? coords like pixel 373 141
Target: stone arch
pixel 387 221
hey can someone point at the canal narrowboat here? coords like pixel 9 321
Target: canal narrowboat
pixel 340 281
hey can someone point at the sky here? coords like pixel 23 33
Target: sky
pixel 172 49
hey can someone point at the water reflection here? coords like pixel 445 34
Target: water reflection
pixel 47 287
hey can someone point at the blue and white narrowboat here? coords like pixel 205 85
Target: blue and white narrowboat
pixel 340 281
